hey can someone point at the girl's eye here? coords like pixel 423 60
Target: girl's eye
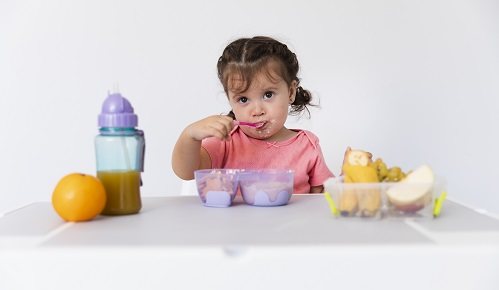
pixel 268 95
pixel 242 100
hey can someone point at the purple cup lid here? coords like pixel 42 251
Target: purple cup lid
pixel 117 112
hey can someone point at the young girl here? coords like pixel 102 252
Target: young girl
pixel 259 76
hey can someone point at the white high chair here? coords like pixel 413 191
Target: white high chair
pixel 189 187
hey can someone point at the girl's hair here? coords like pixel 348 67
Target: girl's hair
pixel 247 56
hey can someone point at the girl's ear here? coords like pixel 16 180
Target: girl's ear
pixel 292 91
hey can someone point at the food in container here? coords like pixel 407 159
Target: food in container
pixel 216 187
pixel 271 187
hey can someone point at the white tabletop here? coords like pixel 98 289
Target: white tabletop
pixel 284 246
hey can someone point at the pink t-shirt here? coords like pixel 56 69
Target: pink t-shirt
pixel 301 153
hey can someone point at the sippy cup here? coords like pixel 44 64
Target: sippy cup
pixel 119 149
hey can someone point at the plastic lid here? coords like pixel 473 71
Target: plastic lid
pixel 117 112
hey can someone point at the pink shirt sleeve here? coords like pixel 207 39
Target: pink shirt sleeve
pixel 319 172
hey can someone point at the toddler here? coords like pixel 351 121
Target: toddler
pixel 259 76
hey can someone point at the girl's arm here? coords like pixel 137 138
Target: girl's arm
pixel 188 155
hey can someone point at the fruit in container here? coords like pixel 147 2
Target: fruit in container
pixel 358 168
pixel 414 192
pixel 369 202
pixel 381 168
pixel 385 174
pixel 349 204
pixel 394 174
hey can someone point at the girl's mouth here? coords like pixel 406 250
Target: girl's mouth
pixel 260 125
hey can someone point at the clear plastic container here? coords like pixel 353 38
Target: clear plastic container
pixel 217 187
pixel 266 187
pixel 385 199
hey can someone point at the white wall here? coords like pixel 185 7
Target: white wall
pixel 412 81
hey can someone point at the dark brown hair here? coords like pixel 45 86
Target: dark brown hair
pixel 248 56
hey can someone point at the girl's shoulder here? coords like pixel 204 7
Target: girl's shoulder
pixel 311 137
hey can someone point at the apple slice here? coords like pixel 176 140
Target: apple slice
pixel 412 193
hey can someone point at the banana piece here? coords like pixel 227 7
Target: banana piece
pixel 358 168
pixel 348 203
pixel 358 157
pixel 348 200
pixel 360 174
pixel 369 202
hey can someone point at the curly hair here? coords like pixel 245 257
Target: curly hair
pixel 248 56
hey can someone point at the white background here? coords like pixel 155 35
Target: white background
pixel 411 81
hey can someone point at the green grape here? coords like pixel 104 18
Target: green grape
pixel 394 174
pixel 380 167
pixel 385 174
pixel 382 171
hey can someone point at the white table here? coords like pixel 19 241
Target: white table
pixel 176 243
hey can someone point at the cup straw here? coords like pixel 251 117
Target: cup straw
pixel 116 90
pixel 125 151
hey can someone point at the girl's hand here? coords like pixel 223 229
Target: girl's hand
pixel 214 126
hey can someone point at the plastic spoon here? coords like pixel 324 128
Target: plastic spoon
pixel 249 124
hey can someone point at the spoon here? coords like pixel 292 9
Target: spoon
pixel 249 124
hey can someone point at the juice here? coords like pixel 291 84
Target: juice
pixel 122 191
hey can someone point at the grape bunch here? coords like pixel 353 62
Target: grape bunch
pixel 385 174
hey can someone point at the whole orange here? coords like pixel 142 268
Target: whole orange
pixel 79 197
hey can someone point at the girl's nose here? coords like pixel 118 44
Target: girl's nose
pixel 258 110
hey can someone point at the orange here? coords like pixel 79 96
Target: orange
pixel 79 197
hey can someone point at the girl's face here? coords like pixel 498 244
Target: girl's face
pixel 266 101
